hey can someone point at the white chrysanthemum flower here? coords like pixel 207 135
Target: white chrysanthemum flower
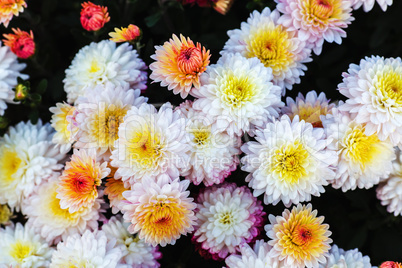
pixel 103 62
pixel 27 156
pixel 51 221
pixel 213 154
pixel 363 160
pixel 374 91
pixel 237 92
pixel 309 108
pixel 390 191
pixel 316 21
pixel 9 71
pixel 150 143
pixel 21 247
pixel 227 216
pixel 92 249
pixel 277 47
pixel 99 113
pixel 369 4
pixel 159 209
pixel 135 252
pixel 289 162
pixel 63 123
pixel 339 258
pixel 256 257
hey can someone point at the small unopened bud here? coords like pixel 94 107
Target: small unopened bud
pixel 21 92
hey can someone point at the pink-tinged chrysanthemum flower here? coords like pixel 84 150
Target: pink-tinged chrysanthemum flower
pixel 114 189
pixel 278 48
pixel 390 191
pixel 92 249
pixel 289 162
pixel 9 72
pixel 129 34
pixel 63 123
pixel 238 93
pixel 135 252
pixel 256 257
pixel 179 64
pixel 150 143
pixel 299 237
pixel 309 108
pixel 374 92
pixel 21 246
pixel 10 8
pixel 213 153
pixel 21 43
pixel 93 17
pixel 369 4
pixel 159 209
pixel 51 221
pixel 99 113
pixel 391 264
pixel 102 63
pixel 227 216
pixel 350 258
pixel 78 184
pixel 27 157
pixel 316 20
pixel 363 160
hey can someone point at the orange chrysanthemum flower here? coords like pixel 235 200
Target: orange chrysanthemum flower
pixel 78 184
pixel 10 8
pixel 222 6
pixel 179 64
pixel 21 43
pixel 93 17
pixel 160 210
pixel 114 189
pixel 391 264
pixel 299 238
pixel 130 34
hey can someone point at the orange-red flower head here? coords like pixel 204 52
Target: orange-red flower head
pixel 391 264
pixel 10 8
pixel 179 64
pixel 21 43
pixel 130 34
pixel 93 17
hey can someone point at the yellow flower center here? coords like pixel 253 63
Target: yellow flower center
pixel 114 189
pixel 289 162
pixel 58 212
pixel 201 137
pixel 361 149
pixel 270 45
pixel 60 120
pixel 10 163
pixel 236 91
pixel 226 218
pixel 390 86
pixel 21 250
pixel 311 113
pixel 145 149
pixel 94 67
pixel 163 219
pixel 320 12
pixel 5 214
pixel 106 124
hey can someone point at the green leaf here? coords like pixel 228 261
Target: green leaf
pixel 42 86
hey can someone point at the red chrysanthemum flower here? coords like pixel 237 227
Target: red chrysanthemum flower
pixel 93 17
pixel 21 43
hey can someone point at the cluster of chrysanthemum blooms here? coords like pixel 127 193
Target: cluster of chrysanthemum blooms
pixel 138 161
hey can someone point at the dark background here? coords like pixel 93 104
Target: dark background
pixel 356 218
